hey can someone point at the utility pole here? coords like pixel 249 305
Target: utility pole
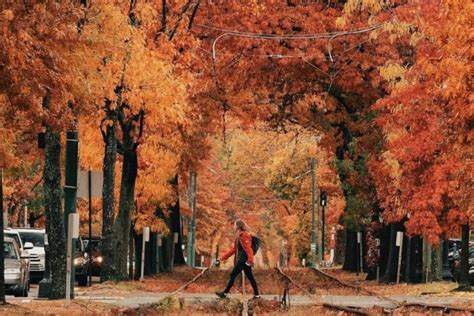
pixel 313 215
pixel 192 223
pixel 70 187
pixel 2 257
pixel 89 244
pixel 322 205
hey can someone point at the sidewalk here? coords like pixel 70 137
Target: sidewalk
pixel 349 301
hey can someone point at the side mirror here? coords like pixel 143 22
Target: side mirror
pixel 25 255
pixel 28 245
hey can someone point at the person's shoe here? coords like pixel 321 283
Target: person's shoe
pixel 256 297
pixel 221 294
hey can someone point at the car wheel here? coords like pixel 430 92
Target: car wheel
pixel 19 291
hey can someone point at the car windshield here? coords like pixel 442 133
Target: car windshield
pixel 96 245
pixel 9 251
pixel 14 236
pixel 34 237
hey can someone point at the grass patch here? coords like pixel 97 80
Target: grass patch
pixel 125 286
pixel 229 306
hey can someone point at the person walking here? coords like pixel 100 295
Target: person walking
pixel 243 259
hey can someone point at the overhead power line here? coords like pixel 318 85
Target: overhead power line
pixel 292 36
pixel 264 36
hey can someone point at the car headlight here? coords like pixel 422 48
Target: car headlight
pixel 99 259
pixel 12 270
pixel 79 261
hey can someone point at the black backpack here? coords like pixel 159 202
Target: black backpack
pixel 255 244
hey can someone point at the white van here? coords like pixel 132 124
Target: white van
pixel 37 262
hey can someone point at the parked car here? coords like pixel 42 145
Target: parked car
pixel 457 264
pixel 23 248
pixel 9 232
pixel 96 253
pixel 17 275
pixel 36 238
pixel 82 263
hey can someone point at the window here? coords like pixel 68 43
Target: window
pixel 34 237
pixel 14 236
pixel 9 251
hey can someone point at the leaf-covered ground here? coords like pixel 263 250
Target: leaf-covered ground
pixel 441 288
pixel 47 307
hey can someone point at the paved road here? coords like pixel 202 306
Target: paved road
pixel 33 293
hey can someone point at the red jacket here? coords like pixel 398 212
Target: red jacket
pixel 245 240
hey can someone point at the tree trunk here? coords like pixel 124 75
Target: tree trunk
pixel 131 250
pixel 390 268
pixel 416 260
pixel 351 252
pixel 340 247
pixel 176 226
pixel 33 218
pixel 464 283
pixel 54 214
pixel 151 264
pixel 427 271
pixel 137 241
pixel 167 243
pixel 2 262
pixel 109 269
pixel 437 263
pixel 126 204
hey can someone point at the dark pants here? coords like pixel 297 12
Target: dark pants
pixel 248 272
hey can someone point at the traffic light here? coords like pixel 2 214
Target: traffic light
pixel 323 198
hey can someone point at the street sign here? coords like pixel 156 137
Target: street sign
pixel 313 247
pixel 399 239
pixel 73 225
pixel 146 233
pixel 97 180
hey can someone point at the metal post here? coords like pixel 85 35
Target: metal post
pixel 359 253
pixel 193 193
pixel 190 242
pixel 377 243
pixel 145 238
pixel 68 271
pixel 399 243
pixel 159 243
pixel 70 187
pixel 323 226
pixel 313 210
pixel 194 219
pixel 73 233
pixel 25 223
pixel 89 250
pixel 2 262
